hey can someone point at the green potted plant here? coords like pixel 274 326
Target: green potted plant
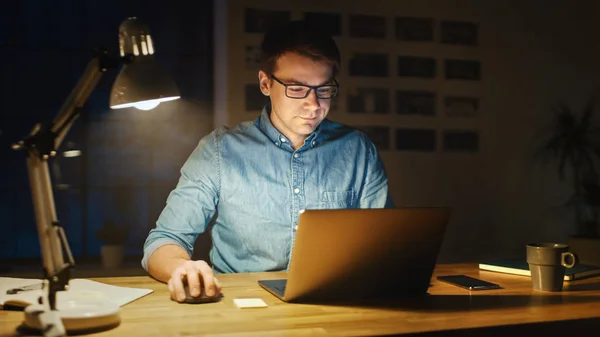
pixel 573 145
pixel 113 240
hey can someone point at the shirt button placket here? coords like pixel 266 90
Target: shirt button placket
pixel 297 202
pixel 298 184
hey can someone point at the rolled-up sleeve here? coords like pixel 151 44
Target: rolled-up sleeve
pixel 192 204
pixel 375 192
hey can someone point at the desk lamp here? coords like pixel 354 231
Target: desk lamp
pixel 142 84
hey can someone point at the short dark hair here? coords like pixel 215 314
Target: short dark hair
pixel 299 37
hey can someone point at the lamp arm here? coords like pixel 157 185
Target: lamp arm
pixel 80 94
pixel 41 144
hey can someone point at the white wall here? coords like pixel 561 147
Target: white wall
pixel 532 52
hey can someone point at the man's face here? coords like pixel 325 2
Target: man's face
pixel 297 118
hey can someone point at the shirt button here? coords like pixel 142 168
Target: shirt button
pixel 296 190
pixel 282 140
pixel 313 143
pixel 296 227
pixel 296 155
pixel 277 143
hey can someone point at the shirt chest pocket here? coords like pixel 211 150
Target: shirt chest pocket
pixel 338 199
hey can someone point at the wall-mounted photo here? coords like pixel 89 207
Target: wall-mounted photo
pixel 255 100
pixel 369 100
pixel 461 106
pixel 414 29
pixel 460 141
pixel 260 20
pixel 413 66
pixel 379 135
pixel 415 102
pixel 459 32
pixel 369 65
pixel 367 26
pixel 330 23
pixel 408 139
pixel 462 70
pixel 252 58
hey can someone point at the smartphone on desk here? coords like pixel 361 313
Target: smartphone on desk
pixel 468 282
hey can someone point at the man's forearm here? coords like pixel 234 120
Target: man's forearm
pixel 165 260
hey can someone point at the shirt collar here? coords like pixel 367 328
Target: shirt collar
pixel 263 122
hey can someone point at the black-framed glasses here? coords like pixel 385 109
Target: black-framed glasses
pixel 299 91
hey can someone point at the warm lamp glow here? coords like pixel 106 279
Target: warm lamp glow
pixel 72 153
pixel 145 105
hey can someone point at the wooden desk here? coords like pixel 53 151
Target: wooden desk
pixel 447 311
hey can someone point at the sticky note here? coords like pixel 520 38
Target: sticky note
pixel 244 303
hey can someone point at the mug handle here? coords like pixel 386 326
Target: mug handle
pixel 565 257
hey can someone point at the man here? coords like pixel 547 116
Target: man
pixel 255 178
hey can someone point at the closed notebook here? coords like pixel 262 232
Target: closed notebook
pixel 521 267
pixel 78 289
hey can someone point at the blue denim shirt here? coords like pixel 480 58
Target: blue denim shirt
pixel 251 179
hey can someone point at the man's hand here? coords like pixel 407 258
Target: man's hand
pixel 197 275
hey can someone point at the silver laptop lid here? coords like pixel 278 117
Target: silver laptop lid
pixel 358 253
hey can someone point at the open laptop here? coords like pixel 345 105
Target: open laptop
pixel 346 254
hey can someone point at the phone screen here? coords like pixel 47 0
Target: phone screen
pixel 468 282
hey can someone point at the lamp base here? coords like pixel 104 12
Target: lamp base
pixel 77 316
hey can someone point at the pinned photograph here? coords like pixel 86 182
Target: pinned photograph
pixel 369 65
pixel 331 23
pixel 459 33
pixel 367 26
pixel 462 70
pixel 460 141
pixel 414 29
pixel 252 57
pixel 369 100
pixel 414 66
pixel 461 106
pixel 415 102
pixel 261 20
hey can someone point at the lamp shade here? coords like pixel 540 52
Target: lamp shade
pixel 142 82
